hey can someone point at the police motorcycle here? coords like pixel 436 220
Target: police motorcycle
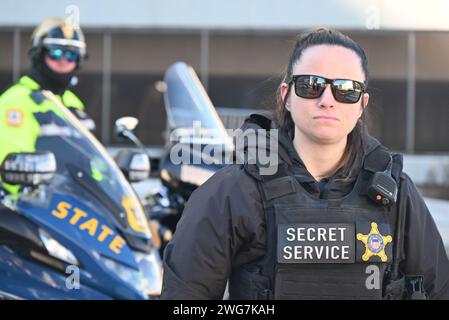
pixel 76 229
pixel 196 146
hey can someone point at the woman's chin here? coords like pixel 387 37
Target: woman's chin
pixel 326 137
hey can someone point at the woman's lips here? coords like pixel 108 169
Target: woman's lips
pixel 325 118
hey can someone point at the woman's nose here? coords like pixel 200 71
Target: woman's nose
pixel 327 98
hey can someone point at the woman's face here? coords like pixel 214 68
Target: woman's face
pixel 324 120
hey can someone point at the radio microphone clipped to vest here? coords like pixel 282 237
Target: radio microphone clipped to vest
pixel 382 188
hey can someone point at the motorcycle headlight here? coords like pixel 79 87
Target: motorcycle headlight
pixel 148 280
pixel 57 250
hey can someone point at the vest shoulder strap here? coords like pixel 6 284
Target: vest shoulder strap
pixel 278 187
pixel 377 160
pixel 397 166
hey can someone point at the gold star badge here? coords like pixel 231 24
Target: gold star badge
pixel 375 243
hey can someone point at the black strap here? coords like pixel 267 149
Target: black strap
pixel 397 218
pixel 396 169
pixel 278 187
pixel 279 184
pixel 377 160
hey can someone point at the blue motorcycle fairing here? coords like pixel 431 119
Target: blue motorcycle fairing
pixel 26 279
pixel 73 233
pixel 99 276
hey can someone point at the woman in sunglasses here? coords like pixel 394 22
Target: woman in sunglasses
pixel 337 219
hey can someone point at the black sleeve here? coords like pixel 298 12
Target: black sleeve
pixel 424 250
pixel 220 221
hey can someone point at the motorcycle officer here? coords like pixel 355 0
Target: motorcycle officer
pixel 57 52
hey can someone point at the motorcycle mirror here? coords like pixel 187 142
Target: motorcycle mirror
pixel 124 131
pixel 135 165
pixel 28 168
pixel 125 124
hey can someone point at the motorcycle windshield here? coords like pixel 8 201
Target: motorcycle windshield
pixel 83 161
pixel 190 112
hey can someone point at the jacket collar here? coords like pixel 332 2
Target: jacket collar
pixel 28 82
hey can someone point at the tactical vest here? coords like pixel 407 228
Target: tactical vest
pixel 321 248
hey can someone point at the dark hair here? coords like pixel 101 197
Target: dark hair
pixel 325 36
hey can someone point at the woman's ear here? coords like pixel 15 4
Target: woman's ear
pixel 284 91
pixel 365 101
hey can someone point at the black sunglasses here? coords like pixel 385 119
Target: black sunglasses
pixel 312 87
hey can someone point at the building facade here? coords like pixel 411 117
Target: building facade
pixel 239 50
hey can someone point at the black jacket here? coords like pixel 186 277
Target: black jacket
pixel 223 227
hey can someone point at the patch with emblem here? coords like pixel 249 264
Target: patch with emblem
pixel 316 243
pixel 375 243
pixel 14 118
